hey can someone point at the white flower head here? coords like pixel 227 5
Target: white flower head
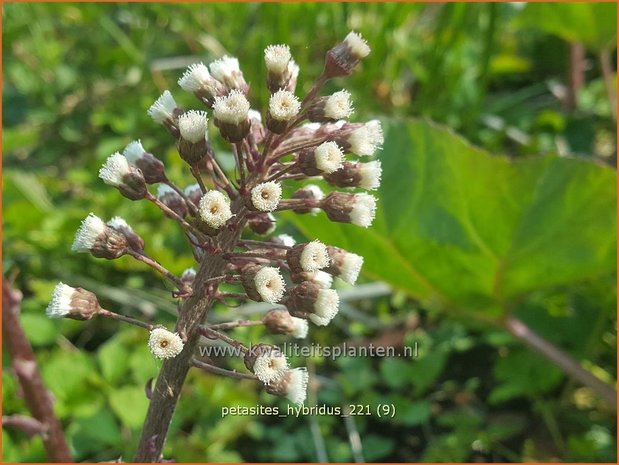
pixel 277 58
pixel 363 210
pixel 300 328
pixel 285 239
pixel 297 385
pixel 192 125
pixel 293 71
pixel 214 209
pixel 253 114
pixel 315 190
pixel 370 174
pixel 326 307
pixel 284 105
pixel 60 305
pixel 163 108
pixel 164 344
pixel 323 279
pixel 350 267
pixel 266 196
pixel 270 366
pixel 232 108
pixel 329 157
pixel 115 168
pixel 314 256
pixel 134 151
pixel 91 228
pixel 364 141
pixel 270 284
pixel 338 105
pixel 357 44
pixel 227 71
pixel 195 78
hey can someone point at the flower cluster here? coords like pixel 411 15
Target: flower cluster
pixel 285 159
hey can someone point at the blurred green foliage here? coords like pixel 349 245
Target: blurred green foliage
pixel 526 224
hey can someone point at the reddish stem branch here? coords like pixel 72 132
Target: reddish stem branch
pixel 36 395
pixel 607 74
pixel 562 359
pixel 221 371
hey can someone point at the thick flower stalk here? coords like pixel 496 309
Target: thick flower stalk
pixel 292 157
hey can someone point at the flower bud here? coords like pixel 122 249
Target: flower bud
pixel 332 108
pixel 227 71
pixel 99 239
pixel 188 276
pixel 231 116
pixel 307 257
pixel 283 108
pixel 194 193
pixel 172 199
pixel 164 344
pixel 165 111
pixel 344 264
pixel 200 83
pixel 129 180
pixel 364 175
pixel 72 302
pixel 192 144
pixel 266 362
pixel 151 167
pixel 214 209
pixel 261 223
pixel 326 158
pixel 265 197
pixel 312 193
pixel 310 301
pixel 342 58
pixel 358 209
pixel 263 283
pixel 284 239
pixel 281 322
pixel 292 385
pixel 134 241
pixel 282 71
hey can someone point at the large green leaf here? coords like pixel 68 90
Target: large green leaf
pixel 592 23
pixel 459 227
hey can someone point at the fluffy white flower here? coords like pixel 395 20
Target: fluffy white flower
pixel 277 58
pixel 338 105
pixel 214 209
pixel 285 239
pixel 314 256
pixel 370 174
pixel 119 223
pixel 350 267
pixel 364 141
pixel 284 105
pixel 134 151
pixel 60 305
pixel 329 157
pixel 270 284
pixel 227 71
pixel 164 344
pixel 363 210
pixel 92 227
pixel 114 169
pixel 270 366
pixel 163 108
pixel 253 114
pixel 323 279
pixel 192 126
pixel 266 196
pixel 357 44
pixel 232 108
pixel 300 328
pixel 195 78
pixel 297 385
pixel 326 307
